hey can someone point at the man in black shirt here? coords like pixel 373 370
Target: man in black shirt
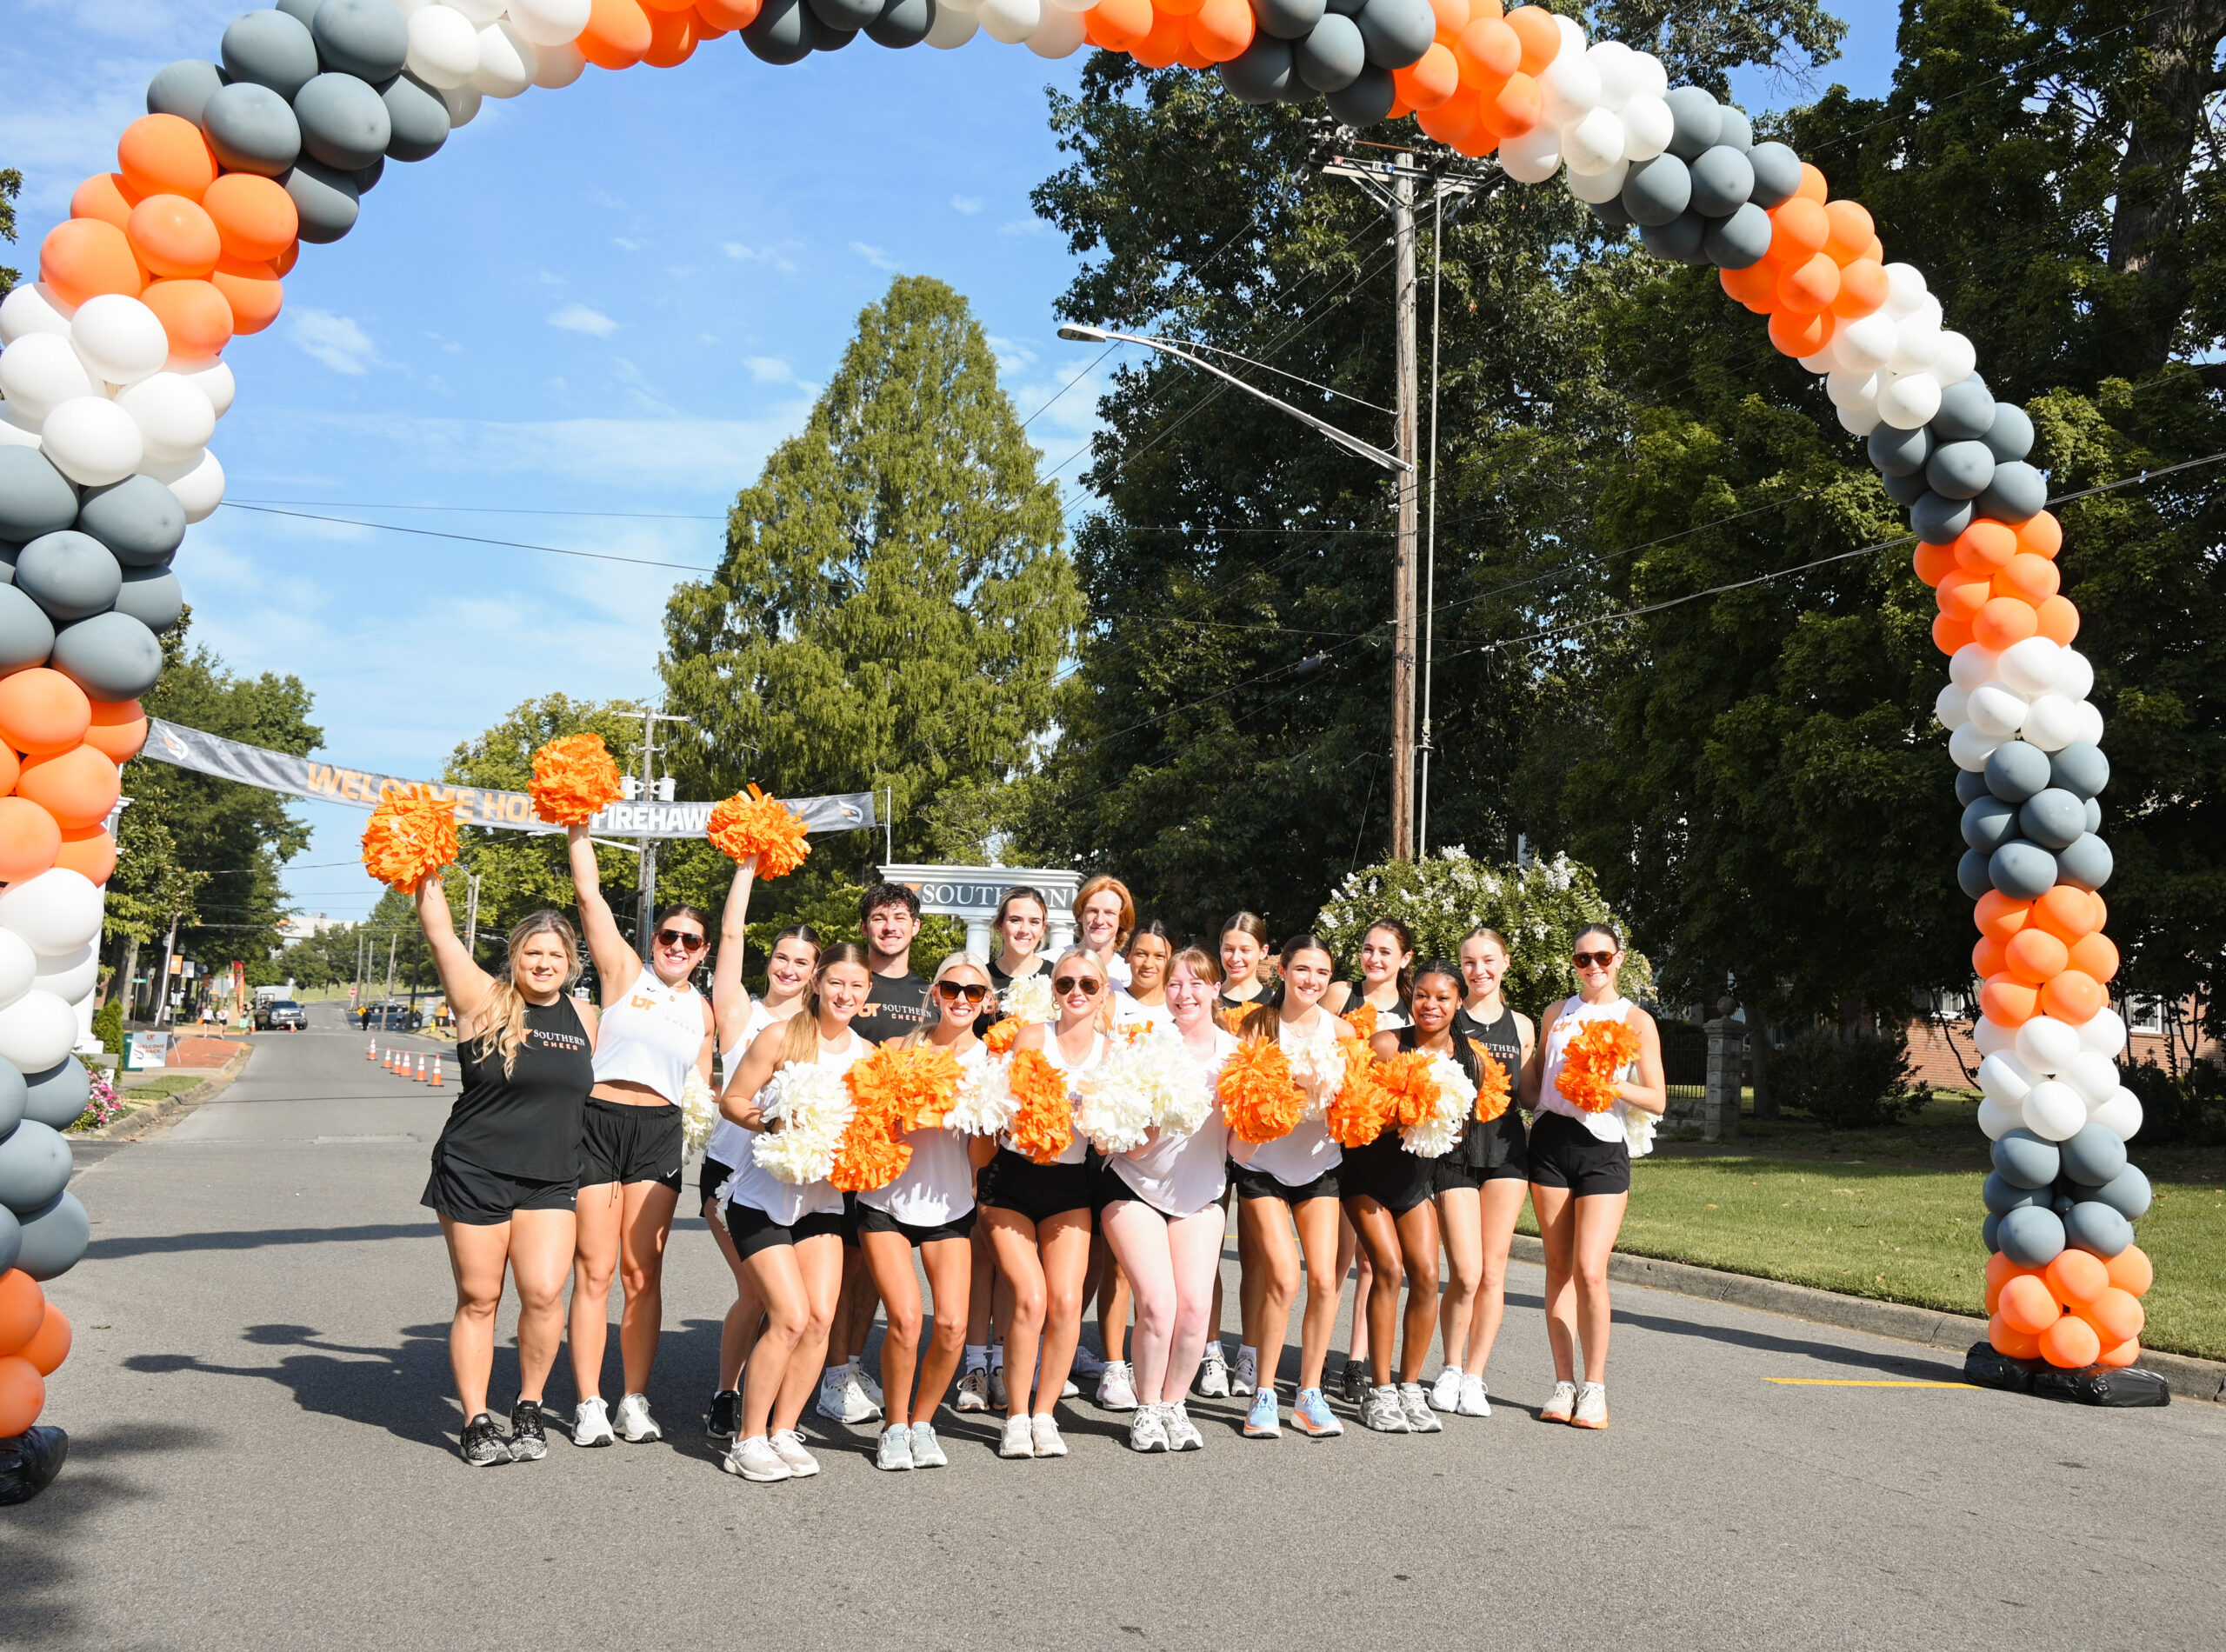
pixel 898 1004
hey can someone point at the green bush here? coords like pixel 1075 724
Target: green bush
pixel 1848 1080
pixel 108 1026
pixel 2187 1109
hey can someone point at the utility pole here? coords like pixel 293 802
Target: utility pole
pixel 162 991
pixel 471 918
pixel 391 937
pixel 650 790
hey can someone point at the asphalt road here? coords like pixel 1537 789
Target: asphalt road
pixel 264 1457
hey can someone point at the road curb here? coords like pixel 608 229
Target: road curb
pixel 2194 1379
pixel 143 1121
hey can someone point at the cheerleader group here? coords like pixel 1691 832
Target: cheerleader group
pixel 563 1156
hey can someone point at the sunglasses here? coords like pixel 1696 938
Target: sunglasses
pixel 1592 960
pixel 952 992
pixel 1086 985
pixel 682 939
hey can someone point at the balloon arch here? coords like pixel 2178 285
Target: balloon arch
pixel 113 379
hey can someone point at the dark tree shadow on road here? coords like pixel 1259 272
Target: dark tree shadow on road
pixel 258 1239
pixel 1932 1369
pixel 404 1390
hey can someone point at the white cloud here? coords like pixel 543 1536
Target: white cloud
pixel 970 204
pixel 769 369
pixel 1023 227
pixel 876 256
pixel 578 318
pixel 775 256
pixel 621 241
pixel 335 340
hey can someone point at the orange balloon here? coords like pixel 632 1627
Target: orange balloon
pixel 1985 547
pixel 672 39
pixel 2001 915
pixel 165 155
pixel 1755 286
pixel 1160 48
pixel 1810 287
pixel 285 263
pixel 23 1394
pixel 2073 995
pixel 1852 230
pixel 103 195
pixel 252 292
pixel 2116 1315
pixel 23 1307
pixel 2034 955
pixel 2067 913
pixel 1452 17
pixel 77 788
pixel 1813 187
pixel 2018 1345
pixel 2119 1357
pixel 1187 54
pixel 174 236
pixel 617 35
pixel 1120 24
pixel 1177 7
pixel 11 768
pixel 85 257
pixel 195 315
pixel 92 854
pixel 119 728
pixel 1427 82
pixel 2027 1305
pixel 2102 911
pixel 2130 1271
pixel 1487 51
pixel 1988 958
pixel 1222 29
pixel 667 5
pixel 49 1345
pixel 1961 594
pixel 728 13
pixel 1800 335
pixel 1949 634
pixel 2095 956
pixel 2059 620
pixel 2029 578
pixel 1799 229
pixel 2000 1270
pixel 42 712
pixel 2077 1277
pixel 255 219
pixel 2003 619
pixel 2007 1000
pixel 1875 252
pixel 1452 119
pixel 1480 141
pixel 2071 1343
pixel 2041 534
pixel 1862 289
pixel 1515 108
pixel 30 839
pixel 1541 36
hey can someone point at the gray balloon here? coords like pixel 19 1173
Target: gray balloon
pixel 2021 870
pixel 2053 818
pixel 2015 769
pixel 2094 1158
pixel 1991 1234
pixel 69 575
pixel 2128 1193
pixel 111 656
pixel 780 32
pixel 367 177
pixel 1959 470
pixel 34 1166
pixel 1298 93
pixel 1738 132
pixel 365 38
pixel 1905 491
pixel 1262 72
pixel 251 129
pixel 2003 1195
pixel 1346 8
pixel 1971 875
pixel 1679 240
pixel 2061 1204
pixel 846 14
pixel 902 24
pixel 1367 101
pixel 26 634
pixel 1989 823
pixel 2081 769
pixel 2024 1161
pixel 1699 120
pixel 138 519
pixel 14 1095
pixel 1969 788
pixel 303 11
pixel 1613 213
pixel 2091 812
pixel 11 1231
pixel 417 119
pixel 1899 453
pixel 58 1095
pixel 1397 32
pixel 153 597
pixel 35 497
pixel 2032 1237
pixel 1937 519
pixel 1655 191
pixel 1966 410
pixel 2010 435
pixel 1287 19
pixel 1740 241
pixel 826 37
pixel 2087 864
pixel 2018 493
pixel 326 199
pixel 183 88
pixel 2093 1226
pixel 343 122
pixel 1332 55
pixel 270 49
pixel 1723 179
pixel 1777 174
pixel 54 1237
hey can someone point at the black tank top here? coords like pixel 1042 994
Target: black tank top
pixel 1503 1040
pixel 526 1122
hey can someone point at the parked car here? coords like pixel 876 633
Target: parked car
pixel 390 1017
pixel 272 1014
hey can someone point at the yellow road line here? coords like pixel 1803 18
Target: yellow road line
pixel 1857 1382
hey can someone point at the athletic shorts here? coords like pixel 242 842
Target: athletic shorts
pixel 1386 1172
pixel 1564 1154
pixel 1506 1156
pixel 481 1198
pixel 753 1230
pixel 1105 1183
pixel 872 1220
pixel 1015 1183
pixel 850 1222
pixel 1258 1184
pixel 710 1178
pixel 623 1144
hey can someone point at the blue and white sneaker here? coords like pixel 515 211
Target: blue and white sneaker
pixel 1310 1414
pixel 1260 1421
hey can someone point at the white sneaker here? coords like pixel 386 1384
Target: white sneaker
pixel 1019 1439
pixel 788 1445
pixel 895 1448
pixel 1070 1389
pixel 1114 1390
pixel 1445 1393
pixel 863 1378
pixel 590 1427
pixel 1181 1434
pixel 1476 1398
pixel 1246 1377
pixel 927 1450
pixel 1382 1412
pixel 842 1399
pixel 1559 1406
pixel 1591 1406
pixel 635 1424
pixel 1213 1374
pixel 1420 1418
pixel 1045 1431
pixel 859 1390
pixel 1086 1362
pixel 1146 1431
pixel 973 1390
pixel 754 1459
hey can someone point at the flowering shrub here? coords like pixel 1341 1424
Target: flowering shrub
pixel 100 1105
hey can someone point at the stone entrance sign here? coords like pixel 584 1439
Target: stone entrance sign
pixel 971 893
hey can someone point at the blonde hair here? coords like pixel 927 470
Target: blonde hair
pixel 802 1042
pixel 502 1028
pixel 919 1035
pixel 1083 954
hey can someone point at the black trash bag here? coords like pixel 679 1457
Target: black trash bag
pixel 2100 1385
pixel 29 1463
pixel 1992 1369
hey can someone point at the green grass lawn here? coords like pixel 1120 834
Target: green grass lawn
pixel 138 1088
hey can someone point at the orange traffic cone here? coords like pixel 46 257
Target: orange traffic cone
pixel 372 1053
pixel 437 1072
pixel 390 1058
pixel 420 1074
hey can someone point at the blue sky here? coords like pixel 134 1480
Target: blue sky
pixel 617 298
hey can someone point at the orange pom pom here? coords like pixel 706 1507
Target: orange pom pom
pixel 1599 1050
pixel 753 823
pixel 999 1038
pixel 573 778
pixel 1497 1089
pixel 1258 1097
pixel 1409 1083
pixel 1361 1019
pixel 1362 1106
pixel 1044 1117
pixel 412 836
pixel 892 1092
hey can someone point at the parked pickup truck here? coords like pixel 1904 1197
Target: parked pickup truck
pixel 273 1015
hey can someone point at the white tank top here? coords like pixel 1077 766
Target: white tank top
pixel 729 1143
pixel 938 1185
pixel 1079 1147
pixel 1296 1159
pixel 789 1202
pixel 1181 1176
pixel 1609 1126
pixel 652 1035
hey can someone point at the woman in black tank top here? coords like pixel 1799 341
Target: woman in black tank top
pixel 507 1164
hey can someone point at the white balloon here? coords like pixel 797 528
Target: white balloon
pixel 1595 144
pixel 507 62
pixel 966 6
pixel 1905 289
pixel 2086 721
pixel 68 976
pixel 175 419
pixel 1859 421
pixel 1060 34
pixel 1992 1038
pixel 1653 79
pixel 2104 1032
pixel 18 967
pixel 30 309
pixel 1069 5
pixel 1594 188
pixel 1958 360
pixel 1648 127
pixel 92 441
pixel 1009 21
pixel 198 482
pixel 1997 1121
pixel 556 67
pixel 1997 711
pixel 1868 342
pixel 1952 706
pixel 14 434
pixel 1916 344
pixel 2007 1079
pixel 213 381
pixel 550 22
pixel 1909 401
pixel 1972 664
pixel 1572 37
pixel 1569 86
pixel 463 105
pixel 57 911
pixel 2052 722
pixel 39 372
pixel 479 12
pixel 2075 676
pixel 952 28
pixel 2119 1115
pixel 1969 749
pixel 443 47
pixel 1822 363
pixel 2093 1075
pixel 1532 158
pixel 119 339
pixel 2045 1045
pixel 2033 667
pixel 1619 75
pixel 38 1031
pixel 1852 387
pixel 2055 1112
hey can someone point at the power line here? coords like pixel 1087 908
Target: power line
pixel 473 539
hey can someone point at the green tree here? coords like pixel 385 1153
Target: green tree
pixel 11 186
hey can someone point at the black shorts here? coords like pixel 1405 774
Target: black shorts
pixel 872 1220
pixel 851 1222
pixel 1258 1184
pixel 1564 1154
pixel 623 1144
pixel 1015 1183
pixel 481 1198
pixel 709 1179
pixel 753 1230
pixel 1505 1156
pixel 1105 1183
pixel 1386 1172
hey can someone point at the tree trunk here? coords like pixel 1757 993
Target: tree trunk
pixel 2166 118
pixel 130 971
